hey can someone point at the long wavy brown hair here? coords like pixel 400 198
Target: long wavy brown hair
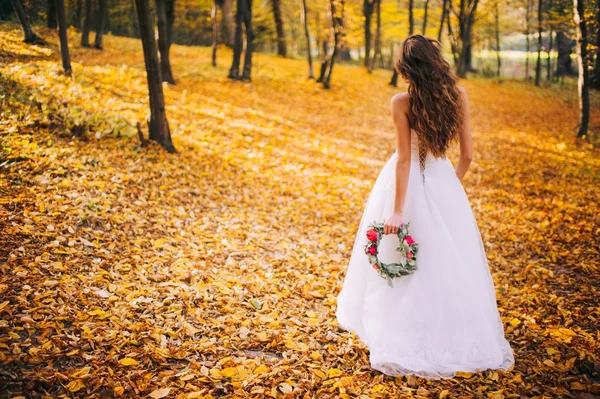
pixel 435 100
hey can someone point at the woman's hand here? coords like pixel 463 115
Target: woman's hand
pixel 393 223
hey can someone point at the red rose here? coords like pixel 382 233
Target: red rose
pixel 410 255
pixel 372 250
pixel 372 235
pixel 375 266
pixel 409 240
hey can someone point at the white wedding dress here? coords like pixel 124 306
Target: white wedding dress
pixel 442 318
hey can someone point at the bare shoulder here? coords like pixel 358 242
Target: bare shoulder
pixel 400 102
pixel 463 92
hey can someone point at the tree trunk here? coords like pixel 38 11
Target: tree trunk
pixel 549 60
pixel 528 6
pixel 164 8
pixel 215 31
pixel 229 25
pixel 564 64
pixel 538 64
pixel 368 7
pixel 411 19
pixel 442 19
pixel 62 35
pixel 424 30
pixel 102 13
pixel 281 42
pixel 596 76
pixel 158 126
pixel 243 19
pixel 337 18
pixel 30 36
pixel 452 37
pixel 583 83
pixel 466 22
pixel 377 52
pixel 51 15
pixel 87 24
pixel 497 29
pixel 304 18
pixel 78 14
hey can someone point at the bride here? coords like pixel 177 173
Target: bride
pixel 443 318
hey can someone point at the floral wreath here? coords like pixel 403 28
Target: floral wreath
pixel 406 246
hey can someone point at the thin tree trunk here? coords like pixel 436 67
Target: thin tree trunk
pixel 78 14
pixel 281 42
pixel 229 25
pixel 243 19
pixel 497 29
pixel 596 77
pixel 337 17
pixel 549 60
pixel 304 18
pixel 411 19
pixel 62 35
pixel 158 126
pixel 215 31
pixel 102 13
pixel 377 52
pixel 583 83
pixel 87 24
pixel 29 35
pixel 527 33
pixel 452 37
pixel 368 7
pixel 51 16
pixel 164 39
pixel 442 20
pixel 424 30
pixel 538 64
pixel 467 20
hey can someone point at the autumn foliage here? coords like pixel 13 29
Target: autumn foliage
pixel 130 272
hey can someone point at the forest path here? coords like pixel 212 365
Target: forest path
pixel 215 271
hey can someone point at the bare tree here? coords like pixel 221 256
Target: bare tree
pixel 538 64
pixel 304 17
pixel 368 8
pixel 87 24
pixel 215 30
pixel 30 36
pixel 165 14
pixel 442 19
pixel 377 54
pixel 228 22
pixel 243 19
pixel 337 26
pixel 281 42
pixel 158 125
pixel 424 30
pixel 583 84
pixel 102 13
pixel 62 35
pixel 466 21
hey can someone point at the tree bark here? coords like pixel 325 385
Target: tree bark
pixel 368 7
pixel 158 126
pixel 281 42
pixel 165 14
pixel 62 35
pixel 228 22
pixel 424 30
pixel 549 60
pixel 51 15
pixel 442 20
pixel 337 18
pixel 215 31
pixel 102 13
pixel 29 35
pixel 377 52
pixel 564 64
pixel 243 19
pixel 538 64
pixel 466 22
pixel 583 84
pixel 78 14
pixel 304 17
pixel 87 24
pixel 411 19
pixel 528 6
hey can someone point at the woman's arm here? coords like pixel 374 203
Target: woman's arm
pixel 465 139
pixel 400 110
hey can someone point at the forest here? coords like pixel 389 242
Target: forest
pixel 181 182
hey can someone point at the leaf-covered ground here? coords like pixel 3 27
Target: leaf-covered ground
pixel 128 272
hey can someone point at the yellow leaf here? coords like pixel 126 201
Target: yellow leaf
pixel 3 305
pixel 334 372
pixel 261 369
pixel 118 390
pixel 443 394
pixel 158 244
pixel 81 373
pixel 515 322
pixel 319 373
pixel 229 371
pixel 160 393
pixel 75 385
pixel 127 361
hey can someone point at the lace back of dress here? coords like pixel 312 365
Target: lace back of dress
pixel 422 158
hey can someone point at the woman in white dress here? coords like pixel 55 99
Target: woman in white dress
pixel 443 318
